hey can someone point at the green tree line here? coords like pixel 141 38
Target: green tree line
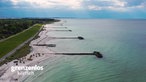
pixel 10 27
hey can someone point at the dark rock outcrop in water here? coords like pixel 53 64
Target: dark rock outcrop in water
pixel 98 54
pixel 80 38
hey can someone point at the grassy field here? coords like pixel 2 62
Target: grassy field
pixel 11 43
pixel 23 51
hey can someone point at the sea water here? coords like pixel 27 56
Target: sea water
pixel 122 43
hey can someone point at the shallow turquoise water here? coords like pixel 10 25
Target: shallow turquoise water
pixel 122 43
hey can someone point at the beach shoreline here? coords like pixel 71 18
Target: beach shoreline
pixel 35 57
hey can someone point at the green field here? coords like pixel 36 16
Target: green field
pixel 11 43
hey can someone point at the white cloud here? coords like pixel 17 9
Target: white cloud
pixel 119 9
pixel 118 3
pixel 14 2
pixel 94 7
pixel 114 5
pixel 73 4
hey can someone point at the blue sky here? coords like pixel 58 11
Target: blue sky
pixel 74 8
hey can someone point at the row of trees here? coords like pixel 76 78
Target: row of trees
pixel 10 27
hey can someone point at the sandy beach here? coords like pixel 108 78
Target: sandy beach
pixel 37 55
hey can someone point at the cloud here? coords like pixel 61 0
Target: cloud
pixel 114 5
pixel 14 2
pixel 117 3
pixel 72 4
pixel 94 5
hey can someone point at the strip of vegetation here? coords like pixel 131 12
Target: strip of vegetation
pixel 11 43
pixel 10 27
pixel 23 51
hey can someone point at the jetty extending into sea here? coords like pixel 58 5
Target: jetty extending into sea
pixel 96 53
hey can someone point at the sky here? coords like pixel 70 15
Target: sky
pixel 127 9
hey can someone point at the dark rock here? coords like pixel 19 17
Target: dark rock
pixel 98 54
pixel 80 38
pixel 51 45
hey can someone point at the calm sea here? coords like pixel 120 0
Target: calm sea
pixel 122 43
